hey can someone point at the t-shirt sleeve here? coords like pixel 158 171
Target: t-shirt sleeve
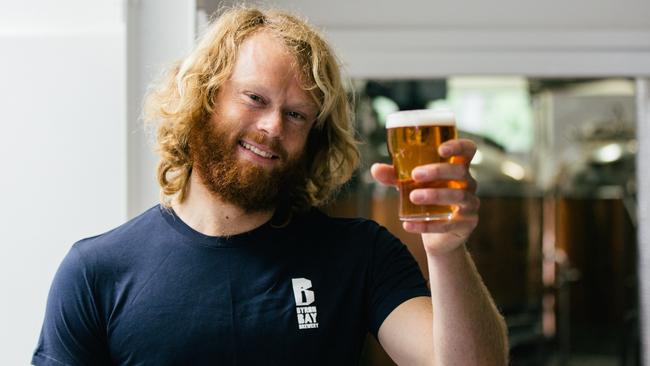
pixel 395 278
pixel 71 332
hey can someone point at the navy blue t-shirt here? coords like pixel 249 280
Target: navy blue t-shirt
pixel 156 292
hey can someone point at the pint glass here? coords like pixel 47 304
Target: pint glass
pixel 413 140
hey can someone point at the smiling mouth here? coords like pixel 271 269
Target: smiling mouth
pixel 257 151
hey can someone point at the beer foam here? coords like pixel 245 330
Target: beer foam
pixel 421 117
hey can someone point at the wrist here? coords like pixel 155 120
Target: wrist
pixel 442 252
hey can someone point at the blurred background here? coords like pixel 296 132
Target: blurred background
pixel 556 242
pixel 555 94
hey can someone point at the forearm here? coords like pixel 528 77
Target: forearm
pixel 467 327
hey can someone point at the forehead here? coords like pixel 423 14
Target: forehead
pixel 265 64
pixel 263 55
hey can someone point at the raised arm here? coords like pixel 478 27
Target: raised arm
pixel 459 324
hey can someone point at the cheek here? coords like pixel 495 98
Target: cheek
pixel 231 110
pixel 298 142
pixel 231 121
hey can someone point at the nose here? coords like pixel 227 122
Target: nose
pixel 271 123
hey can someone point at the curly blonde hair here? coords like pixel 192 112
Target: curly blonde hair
pixel 185 97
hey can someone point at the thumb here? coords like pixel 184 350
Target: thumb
pixel 384 174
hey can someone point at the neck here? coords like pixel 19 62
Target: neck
pixel 210 215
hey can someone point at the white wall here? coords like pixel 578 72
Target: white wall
pixel 76 159
pixel 159 32
pixel 473 14
pixel 63 149
pixel 423 38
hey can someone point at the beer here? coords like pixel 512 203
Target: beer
pixel 413 140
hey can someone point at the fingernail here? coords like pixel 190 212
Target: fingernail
pixel 417 196
pixel 445 150
pixel 419 174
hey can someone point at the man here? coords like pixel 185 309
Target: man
pixel 236 266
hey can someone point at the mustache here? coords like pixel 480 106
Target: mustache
pixel 262 139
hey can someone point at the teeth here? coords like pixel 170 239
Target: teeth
pixel 257 151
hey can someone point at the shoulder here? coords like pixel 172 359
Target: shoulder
pixel 358 230
pixel 124 241
pixel 316 219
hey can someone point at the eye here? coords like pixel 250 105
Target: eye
pixel 296 115
pixel 255 98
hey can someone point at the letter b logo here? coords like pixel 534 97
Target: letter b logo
pixel 301 291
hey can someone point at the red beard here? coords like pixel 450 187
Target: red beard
pixel 240 182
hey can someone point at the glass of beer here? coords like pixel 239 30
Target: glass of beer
pixel 413 140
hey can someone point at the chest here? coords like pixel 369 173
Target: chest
pixel 244 306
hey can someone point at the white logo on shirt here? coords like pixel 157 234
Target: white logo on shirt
pixel 304 297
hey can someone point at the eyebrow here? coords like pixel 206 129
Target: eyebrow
pixel 252 86
pixel 249 85
pixel 307 105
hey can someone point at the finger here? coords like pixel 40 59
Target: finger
pixel 418 227
pixel 460 149
pixel 384 174
pixel 445 196
pixel 462 224
pixel 440 171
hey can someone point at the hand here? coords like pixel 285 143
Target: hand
pixel 443 236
